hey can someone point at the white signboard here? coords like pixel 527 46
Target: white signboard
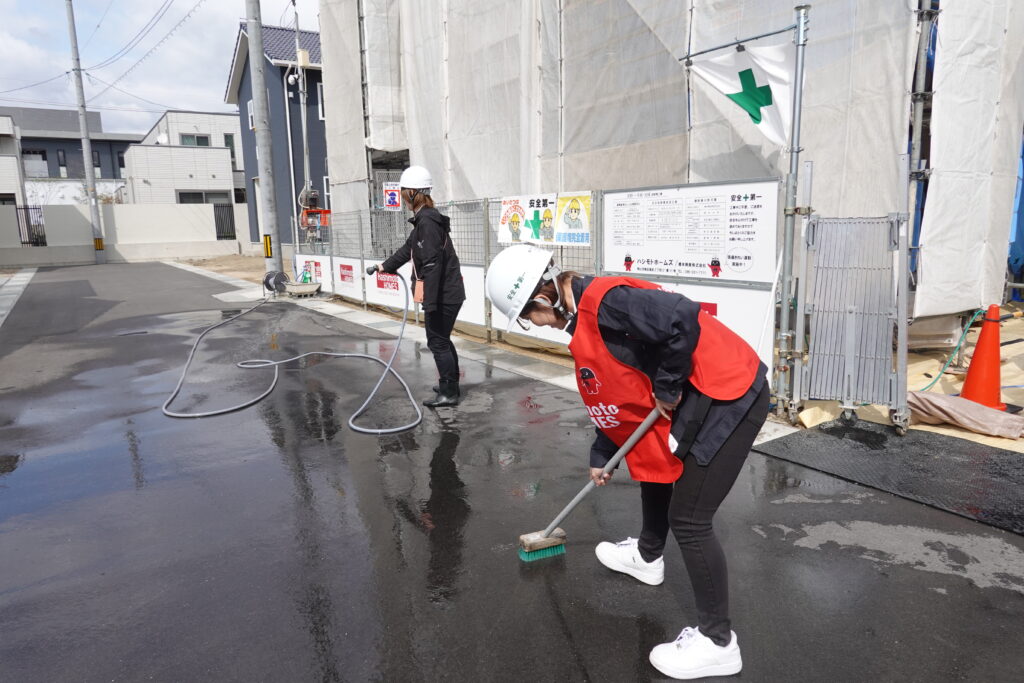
pixel 347 277
pixel 386 290
pixel 748 313
pixel 715 231
pixel 314 269
pixel 392 196
pixel 546 219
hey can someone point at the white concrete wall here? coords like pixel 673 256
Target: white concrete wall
pixel 132 232
pixel 68 236
pixel 43 191
pixel 158 223
pixel 155 173
pixel 7 125
pixel 67 226
pixel 9 235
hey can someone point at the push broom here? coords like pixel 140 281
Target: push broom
pixel 551 541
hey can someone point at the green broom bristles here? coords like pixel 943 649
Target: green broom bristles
pixel 551 551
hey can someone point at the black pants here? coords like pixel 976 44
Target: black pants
pixel 439 324
pixel 687 507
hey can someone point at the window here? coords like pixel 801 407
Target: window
pixel 97 169
pixel 34 163
pixel 62 163
pixel 229 142
pixel 320 100
pixel 201 197
pixel 252 117
pixel 327 192
pixel 189 140
pixel 120 159
pixel 239 195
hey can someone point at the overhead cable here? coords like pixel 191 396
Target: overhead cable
pixel 137 38
pixel 97 27
pixel 151 50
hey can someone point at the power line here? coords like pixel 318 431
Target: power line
pixel 32 85
pixel 72 105
pixel 130 94
pixel 138 37
pixel 97 27
pixel 152 49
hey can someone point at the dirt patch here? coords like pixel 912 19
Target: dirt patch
pixel 250 268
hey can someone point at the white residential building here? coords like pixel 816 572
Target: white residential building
pixel 164 174
pixel 202 129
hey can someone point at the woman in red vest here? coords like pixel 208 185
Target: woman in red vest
pixel 637 347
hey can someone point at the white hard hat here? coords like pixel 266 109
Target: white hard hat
pixel 416 178
pixel 513 276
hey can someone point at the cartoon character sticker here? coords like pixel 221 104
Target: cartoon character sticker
pixel 628 263
pixel 513 226
pixel 547 230
pixel 571 217
pixel 715 266
pixel 589 381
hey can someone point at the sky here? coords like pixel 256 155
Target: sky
pixel 188 71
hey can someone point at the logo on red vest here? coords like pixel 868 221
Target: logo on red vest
pixel 589 381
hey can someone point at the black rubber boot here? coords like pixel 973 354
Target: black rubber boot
pixel 447 396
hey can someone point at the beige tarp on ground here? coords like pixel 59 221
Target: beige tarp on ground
pixel 935 409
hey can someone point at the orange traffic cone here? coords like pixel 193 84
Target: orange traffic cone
pixel 983 376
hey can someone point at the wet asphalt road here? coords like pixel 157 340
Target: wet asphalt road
pixel 275 544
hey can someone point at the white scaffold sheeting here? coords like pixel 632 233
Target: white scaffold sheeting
pixel 346 150
pixel 530 97
pixel 977 116
pixel 384 105
pixel 859 63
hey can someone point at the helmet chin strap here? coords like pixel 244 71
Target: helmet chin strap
pixel 550 275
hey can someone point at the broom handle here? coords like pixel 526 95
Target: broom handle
pixel 619 455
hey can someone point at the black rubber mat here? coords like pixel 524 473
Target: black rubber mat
pixel 967 478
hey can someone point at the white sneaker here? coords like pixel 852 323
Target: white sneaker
pixel 624 557
pixel 694 655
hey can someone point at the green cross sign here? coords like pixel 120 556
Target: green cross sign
pixel 752 97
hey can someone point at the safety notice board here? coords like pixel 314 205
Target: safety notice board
pixel 714 231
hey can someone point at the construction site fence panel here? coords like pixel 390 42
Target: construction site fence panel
pixel 340 254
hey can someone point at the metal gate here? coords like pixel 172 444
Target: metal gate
pixel 31 226
pixel 224 219
pixel 856 308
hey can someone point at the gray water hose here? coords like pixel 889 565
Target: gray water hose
pixel 264 363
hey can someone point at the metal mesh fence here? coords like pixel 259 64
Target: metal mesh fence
pixel 376 234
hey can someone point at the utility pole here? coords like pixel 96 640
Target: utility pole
pixel 90 175
pixel 301 62
pixel 261 116
pixel 783 383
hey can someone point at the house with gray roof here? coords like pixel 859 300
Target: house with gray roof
pixel 285 123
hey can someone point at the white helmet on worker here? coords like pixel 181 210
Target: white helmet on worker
pixel 416 178
pixel 515 275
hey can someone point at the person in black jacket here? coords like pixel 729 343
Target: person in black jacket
pixel 436 264
pixel 637 347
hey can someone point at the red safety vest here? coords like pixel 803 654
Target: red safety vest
pixel 618 397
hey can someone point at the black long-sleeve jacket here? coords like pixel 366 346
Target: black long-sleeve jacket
pixel 430 247
pixel 657 332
